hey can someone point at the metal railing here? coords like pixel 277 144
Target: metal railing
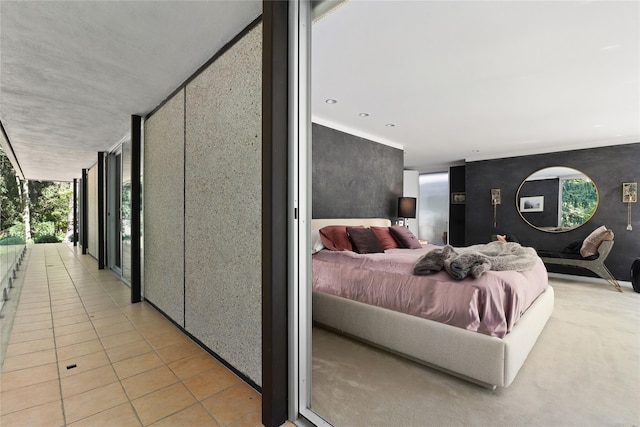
pixel 10 258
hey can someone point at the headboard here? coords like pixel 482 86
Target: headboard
pixel 317 224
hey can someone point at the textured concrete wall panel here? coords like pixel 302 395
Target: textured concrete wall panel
pixel 223 205
pixel 164 208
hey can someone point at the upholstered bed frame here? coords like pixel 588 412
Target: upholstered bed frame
pixel 479 358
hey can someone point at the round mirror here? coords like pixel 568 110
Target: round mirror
pixel 557 199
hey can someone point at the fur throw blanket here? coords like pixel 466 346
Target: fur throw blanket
pixel 475 260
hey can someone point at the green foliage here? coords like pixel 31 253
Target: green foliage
pixel 10 201
pixel 579 201
pixel 50 203
pixel 16 230
pixel 46 238
pixel 10 240
pixel 43 229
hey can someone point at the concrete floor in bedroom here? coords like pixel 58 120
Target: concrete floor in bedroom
pixel 583 371
pixel 78 353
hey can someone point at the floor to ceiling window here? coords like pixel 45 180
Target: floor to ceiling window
pixel 434 207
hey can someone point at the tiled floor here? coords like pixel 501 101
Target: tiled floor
pixel 80 354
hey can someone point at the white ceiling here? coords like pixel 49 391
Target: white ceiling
pixel 504 78
pixel 479 79
pixel 73 72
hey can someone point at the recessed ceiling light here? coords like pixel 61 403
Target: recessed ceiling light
pixel 364 114
pixel 331 101
pixel 390 125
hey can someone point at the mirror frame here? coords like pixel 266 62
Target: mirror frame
pixel 517 201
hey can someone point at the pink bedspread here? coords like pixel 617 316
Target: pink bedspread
pixel 490 305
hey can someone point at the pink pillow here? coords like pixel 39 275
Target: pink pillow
pixel 404 236
pixel 591 244
pixel 384 236
pixel 334 237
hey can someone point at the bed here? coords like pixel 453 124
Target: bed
pixel 489 355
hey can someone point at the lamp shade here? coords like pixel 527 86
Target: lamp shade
pixel 407 207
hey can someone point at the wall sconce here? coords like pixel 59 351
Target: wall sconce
pixel 406 209
pixel 629 195
pixel 495 201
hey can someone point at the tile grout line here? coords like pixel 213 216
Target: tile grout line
pixel 154 350
pixel 118 379
pixel 55 344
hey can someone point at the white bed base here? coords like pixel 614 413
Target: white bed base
pixel 479 358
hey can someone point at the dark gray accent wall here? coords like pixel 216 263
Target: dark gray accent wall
pixel 608 167
pixel 354 177
pixel 457 211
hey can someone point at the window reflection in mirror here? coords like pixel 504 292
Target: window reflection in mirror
pixel 557 199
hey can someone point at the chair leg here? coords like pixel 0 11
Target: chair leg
pixel 602 271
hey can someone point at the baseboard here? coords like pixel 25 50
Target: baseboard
pixel 585 279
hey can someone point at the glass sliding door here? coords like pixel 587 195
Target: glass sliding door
pixel 114 211
pixel 300 172
pixel 126 211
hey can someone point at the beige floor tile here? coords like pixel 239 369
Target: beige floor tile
pixel 69 313
pixel 233 404
pixel 76 337
pixel 23 361
pixel 18 320
pixel 194 364
pixel 211 382
pixel 136 365
pixel 70 329
pixel 63 300
pixel 48 414
pixel 64 305
pixel 91 312
pixel 25 377
pixel 93 401
pixel 148 382
pixel 161 403
pixel 58 305
pixel 108 313
pixel 120 339
pixel 17 337
pixel 193 416
pixel 142 312
pixel 254 419
pixel 31 326
pixel 29 347
pixel 30 305
pixel 86 381
pixel 171 335
pixel 120 416
pixel 32 311
pixel 79 349
pixel 160 333
pixel 70 320
pixel 105 322
pixel 29 396
pixel 116 328
pixel 125 351
pixel 173 352
pixel 83 363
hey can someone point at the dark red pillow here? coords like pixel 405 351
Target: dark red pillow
pixel 404 237
pixel 364 240
pixel 334 237
pixel 384 236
